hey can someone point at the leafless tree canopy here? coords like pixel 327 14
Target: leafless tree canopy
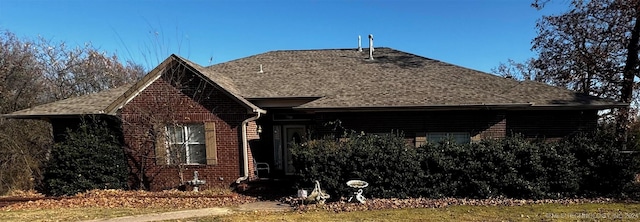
pixel 591 48
pixel 34 72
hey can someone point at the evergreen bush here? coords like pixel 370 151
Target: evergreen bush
pixel 511 167
pixel 603 170
pixel 514 167
pixel 387 163
pixel 89 157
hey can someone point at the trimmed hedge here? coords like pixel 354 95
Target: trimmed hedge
pixel 515 167
pixel 511 167
pixel 90 157
pixel 391 168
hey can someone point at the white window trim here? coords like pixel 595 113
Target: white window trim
pixel 185 143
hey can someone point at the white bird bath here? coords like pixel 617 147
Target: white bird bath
pixel 358 184
pixel 196 182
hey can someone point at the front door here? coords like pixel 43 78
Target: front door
pixel 282 154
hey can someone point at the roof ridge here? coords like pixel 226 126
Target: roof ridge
pixel 232 92
pixel 329 49
pixel 307 50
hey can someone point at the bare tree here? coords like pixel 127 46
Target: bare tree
pixel 22 143
pixel 592 48
pixel 516 70
pixel 78 71
pixel 34 72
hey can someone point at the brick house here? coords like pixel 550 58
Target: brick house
pixel 221 119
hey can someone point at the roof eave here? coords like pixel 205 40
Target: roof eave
pixel 514 106
pixel 49 116
pixel 582 106
pixel 415 108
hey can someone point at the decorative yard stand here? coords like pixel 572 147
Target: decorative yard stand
pixel 196 182
pixel 358 184
pixel 317 195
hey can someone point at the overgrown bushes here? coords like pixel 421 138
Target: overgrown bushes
pixel 90 157
pixel 515 167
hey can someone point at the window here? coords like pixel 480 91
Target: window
pixel 457 137
pixel 186 144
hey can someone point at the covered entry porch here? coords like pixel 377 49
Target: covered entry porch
pixel 278 130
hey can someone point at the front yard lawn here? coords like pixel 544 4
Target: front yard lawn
pixel 534 212
pixel 101 204
pixel 74 214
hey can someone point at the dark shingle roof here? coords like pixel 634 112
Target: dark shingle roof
pixel 95 103
pixel 346 78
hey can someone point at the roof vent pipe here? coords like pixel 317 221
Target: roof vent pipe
pixel 260 69
pixel 370 47
pixel 359 44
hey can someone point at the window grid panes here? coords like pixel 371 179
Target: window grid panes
pixel 187 144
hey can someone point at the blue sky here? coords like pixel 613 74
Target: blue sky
pixel 477 34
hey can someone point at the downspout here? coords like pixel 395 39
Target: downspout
pixel 245 144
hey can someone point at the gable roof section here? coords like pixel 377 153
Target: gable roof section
pixel 110 101
pixel 221 82
pixel 346 79
pixel 157 72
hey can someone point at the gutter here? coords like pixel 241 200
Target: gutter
pixel 416 108
pixel 514 106
pixel 245 144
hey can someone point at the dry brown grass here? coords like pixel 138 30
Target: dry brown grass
pixel 533 212
pixel 100 204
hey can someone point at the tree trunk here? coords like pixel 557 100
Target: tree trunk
pixel 629 74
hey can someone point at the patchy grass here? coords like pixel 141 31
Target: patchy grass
pixel 111 204
pixel 536 212
pixel 73 214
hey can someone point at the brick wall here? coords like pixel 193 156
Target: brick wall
pixel 252 135
pixel 496 124
pixel 161 102
pixel 480 124
pixel 551 124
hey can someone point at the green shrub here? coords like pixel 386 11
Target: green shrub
pixel 603 170
pixel 387 163
pixel 314 160
pixel 514 167
pixel 511 167
pixel 89 157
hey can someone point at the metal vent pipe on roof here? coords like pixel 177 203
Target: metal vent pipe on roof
pixel 359 44
pixel 370 47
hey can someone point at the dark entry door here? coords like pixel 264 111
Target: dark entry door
pixel 292 134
